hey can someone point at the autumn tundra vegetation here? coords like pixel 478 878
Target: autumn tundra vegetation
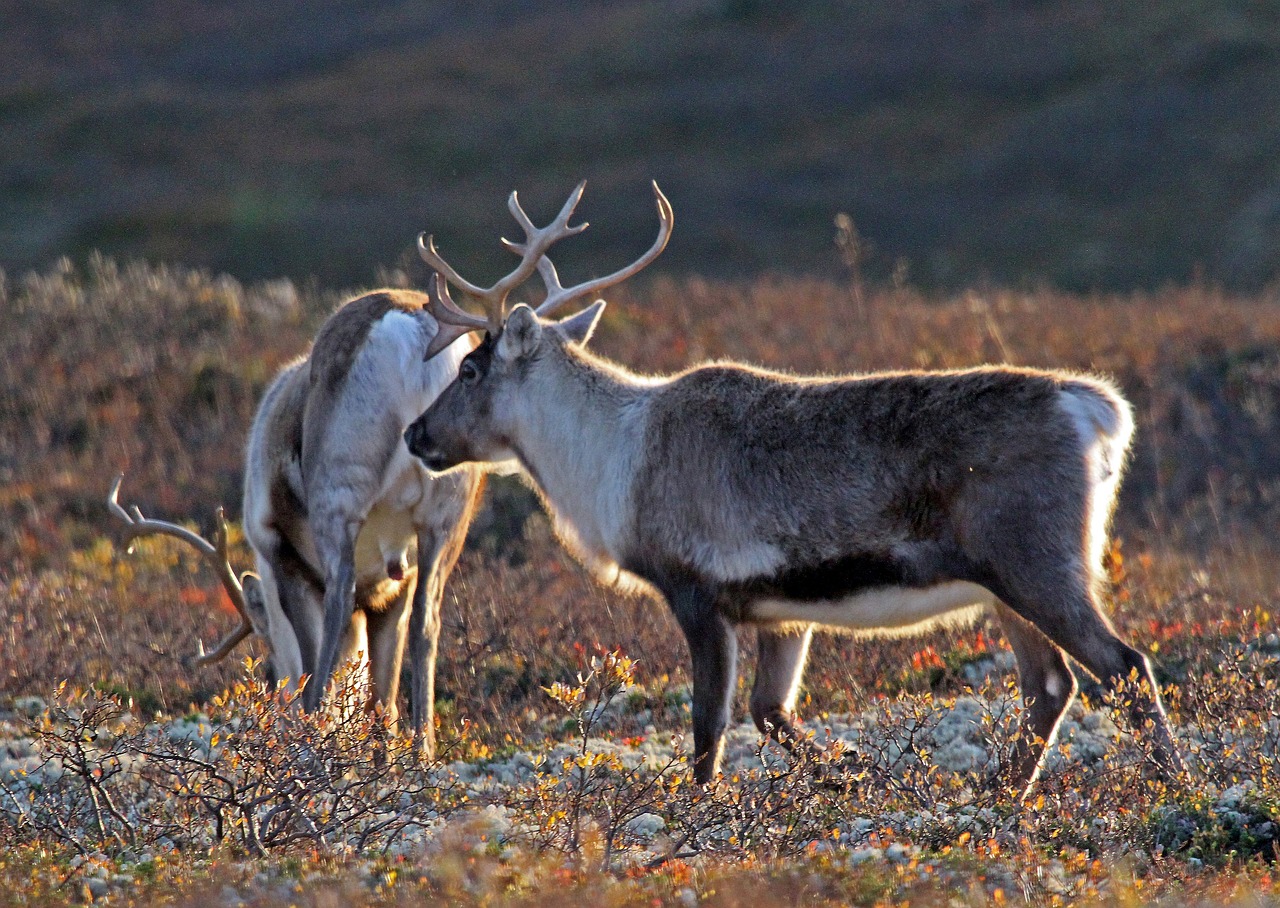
pixel 562 770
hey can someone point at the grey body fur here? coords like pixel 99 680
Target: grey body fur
pixel 871 502
pixel 353 538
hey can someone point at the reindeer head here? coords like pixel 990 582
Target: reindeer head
pixel 475 419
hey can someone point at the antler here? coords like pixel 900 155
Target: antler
pixel 451 322
pixel 454 322
pixel 558 296
pixel 214 552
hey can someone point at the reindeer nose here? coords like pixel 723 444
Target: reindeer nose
pixel 416 438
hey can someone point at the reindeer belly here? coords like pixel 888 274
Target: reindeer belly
pixel 383 551
pixel 891 609
pixel 897 593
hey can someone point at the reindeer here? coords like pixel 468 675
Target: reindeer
pixel 865 502
pixel 335 509
pixel 334 503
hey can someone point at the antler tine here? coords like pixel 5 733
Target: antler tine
pixel 451 321
pixel 558 296
pixel 215 554
pixel 545 236
pixel 431 255
pixel 225 645
pixel 454 322
pixel 141 526
pixel 537 241
pixel 222 566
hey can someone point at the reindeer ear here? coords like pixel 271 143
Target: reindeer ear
pixel 255 604
pixel 579 328
pixel 520 334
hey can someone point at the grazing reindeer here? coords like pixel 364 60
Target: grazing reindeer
pixel 871 502
pixel 334 507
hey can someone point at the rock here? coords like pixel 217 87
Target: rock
pixel 862 855
pixel 897 853
pixel 97 886
pixel 645 826
pixel 31 707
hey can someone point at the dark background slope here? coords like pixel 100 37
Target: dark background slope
pixel 1086 143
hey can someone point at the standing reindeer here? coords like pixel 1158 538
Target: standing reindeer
pixel 335 507
pixel 334 503
pixel 883 501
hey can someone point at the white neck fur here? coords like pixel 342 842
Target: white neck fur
pixel 581 437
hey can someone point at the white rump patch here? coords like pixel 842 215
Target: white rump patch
pixel 893 610
pixel 1104 425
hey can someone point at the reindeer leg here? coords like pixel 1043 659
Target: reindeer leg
pixel 424 641
pixel 1112 661
pixel 1048 687
pixel 441 535
pixel 713 647
pixel 1046 576
pixel 779 667
pixel 292 601
pixel 338 555
pixel 388 633
pixel 353 664
pixel 1055 594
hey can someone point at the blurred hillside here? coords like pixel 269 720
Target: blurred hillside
pixel 1084 143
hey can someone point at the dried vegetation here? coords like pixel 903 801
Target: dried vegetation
pixel 562 769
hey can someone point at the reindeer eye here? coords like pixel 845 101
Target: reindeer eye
pixel 468 372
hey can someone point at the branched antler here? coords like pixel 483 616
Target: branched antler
pixel 215 554
pixel 454 322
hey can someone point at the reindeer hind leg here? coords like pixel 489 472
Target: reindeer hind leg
pixel 779 667
pixel 1048 687
pixel 388 633
pixel 337 553
pixel 292 600
pixel 1060 601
